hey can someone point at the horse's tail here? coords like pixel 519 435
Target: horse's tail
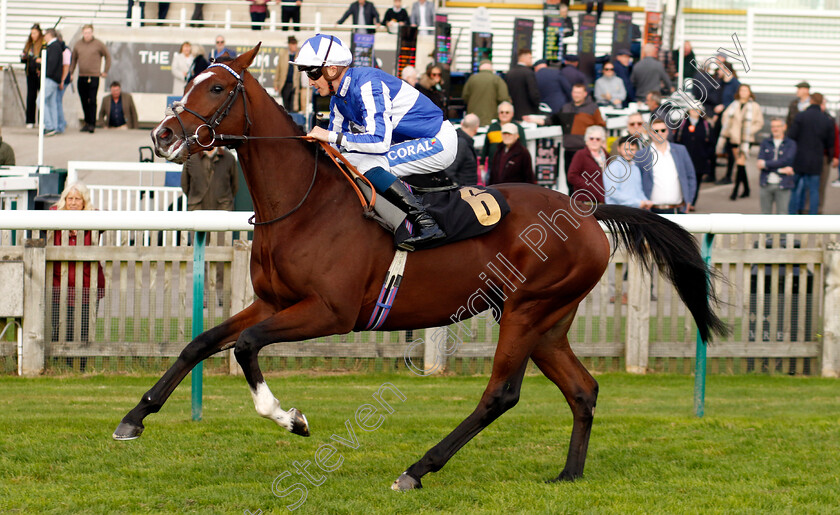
pixel 654 239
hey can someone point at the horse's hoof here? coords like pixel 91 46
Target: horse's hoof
pixel 299 424
pixel 127 431
pixel 406 482
pixel 564 477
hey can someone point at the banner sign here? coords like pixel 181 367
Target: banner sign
pixel 147 67
pixel 653 32
pixel 523 36
pixel 482 48
pixel 553 39
pixel 586 45
pixel 443 39
pixel 362 49
pixel 406 48
pixel 622 32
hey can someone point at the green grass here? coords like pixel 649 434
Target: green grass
pixel 767 444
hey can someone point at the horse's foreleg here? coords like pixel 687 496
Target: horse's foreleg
pixel 501 394
pixel 204 346
pixel 557 361
pixel 309 318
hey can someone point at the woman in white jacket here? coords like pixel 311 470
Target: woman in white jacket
pixel 741 122
pixel 181 62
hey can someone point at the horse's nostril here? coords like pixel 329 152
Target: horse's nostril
pixel 165 135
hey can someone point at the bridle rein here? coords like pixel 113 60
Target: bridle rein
pixel 221 113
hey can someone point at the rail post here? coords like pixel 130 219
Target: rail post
pixel 700 352
pixel 831 306
pixel 197 381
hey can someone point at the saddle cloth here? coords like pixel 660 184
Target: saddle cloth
pixel 462 213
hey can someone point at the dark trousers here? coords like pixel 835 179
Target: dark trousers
pixel 567 161
pixel 163 10
pixel 88 86
pixel 142 12
pixel 288 95
pixel 290 15
pixel 257 18
pixel 730 159
pixel 740 176
pixel 32 87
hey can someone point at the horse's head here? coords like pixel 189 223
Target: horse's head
pixel 214 104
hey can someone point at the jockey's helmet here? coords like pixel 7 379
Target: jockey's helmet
pixel 322 50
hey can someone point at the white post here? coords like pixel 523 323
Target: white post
pixel 41 103
pixel 273 20
pixel 227 19
pixel 432 347
pixel 831 307
pixel 681 43
pixel 317 22
pixel 183 22
pixel 637 344
pixel 135 15
pixel 750 36
pixel 4 18
pixel 34 273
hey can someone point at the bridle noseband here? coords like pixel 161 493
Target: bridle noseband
pixel 216 118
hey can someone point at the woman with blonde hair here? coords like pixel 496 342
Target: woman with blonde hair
pixel 741 122
pixel 181 63
pixel 75 197
pixel 31 56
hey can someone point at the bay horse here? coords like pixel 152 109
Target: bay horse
pixel 318 265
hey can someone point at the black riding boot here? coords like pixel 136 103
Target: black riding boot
pixel 429 231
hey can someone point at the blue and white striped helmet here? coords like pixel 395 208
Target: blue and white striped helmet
pixel 323 50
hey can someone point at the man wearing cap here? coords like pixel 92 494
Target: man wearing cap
pixel 571 72
pixel 512 162
pixel 800 103
pixel 621 63
pixel 383 126
pixel 484 91
pixel 285 83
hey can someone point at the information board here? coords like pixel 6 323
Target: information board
pixel 553 39
pixel 653 30
pixel 546 162
pixel 407 48
pixel 523 36
pixel 443 40
pixel 482 48
pixel 362 49
pixel 622 32
pixel 586 45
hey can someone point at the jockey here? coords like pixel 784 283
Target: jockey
pixel 382 125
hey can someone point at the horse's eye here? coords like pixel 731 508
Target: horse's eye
pixel 217 88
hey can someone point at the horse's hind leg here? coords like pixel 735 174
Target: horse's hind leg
pixel 555 359
pixel 501 394
pixel 204 346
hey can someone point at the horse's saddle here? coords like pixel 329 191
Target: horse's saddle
pixel 462 212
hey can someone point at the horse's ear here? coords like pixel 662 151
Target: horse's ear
pixel 247 58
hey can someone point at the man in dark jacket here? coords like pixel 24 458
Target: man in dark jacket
pixel 571 72
pixel 464 170
pixel 695 134
pixel 369 15
pixel 621 63
pixel 512 162
pixel 800 103
pixel 522 85
pixel 54 68
pixel 775 161
pixel 813 133
pixel 555 90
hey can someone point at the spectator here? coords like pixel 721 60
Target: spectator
pixel 729 85
pixel 622 70
pixel 75 197
pixel 555 90
pixel 800 103
pixel 66 80
pixel 609 89
pixel 586 114
pixel 600 8
pixel 813 133
pixel 258 11
pixel 512 162
pixel 649 74
pixel 409 75
pixel 588 164
pixel 285 83
pixel 831 159
pixel 199 63
pixel 464 170
pixel 219 49
pixel 31 56
pixel 571 72
pixel 484 91
pixel 775 162
pixel 7 153
pixel 181 64
pixel 429 85
pixel 522 85
pixel 493 138
pixel 129 16
pixel 198 14
pixel 423 16
pixel 395 17
pixel 363 13
pixel 209 180
pixel 52 82
pixel 688 56
pixel 88 55
pixel 636 129
pixel 668 177
pixel 653 101
pixel 623 179
pixel 117 110
pixel 163 10
pixel 290 12
pixel 695 134
pixel 568 23
pixel 741 122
